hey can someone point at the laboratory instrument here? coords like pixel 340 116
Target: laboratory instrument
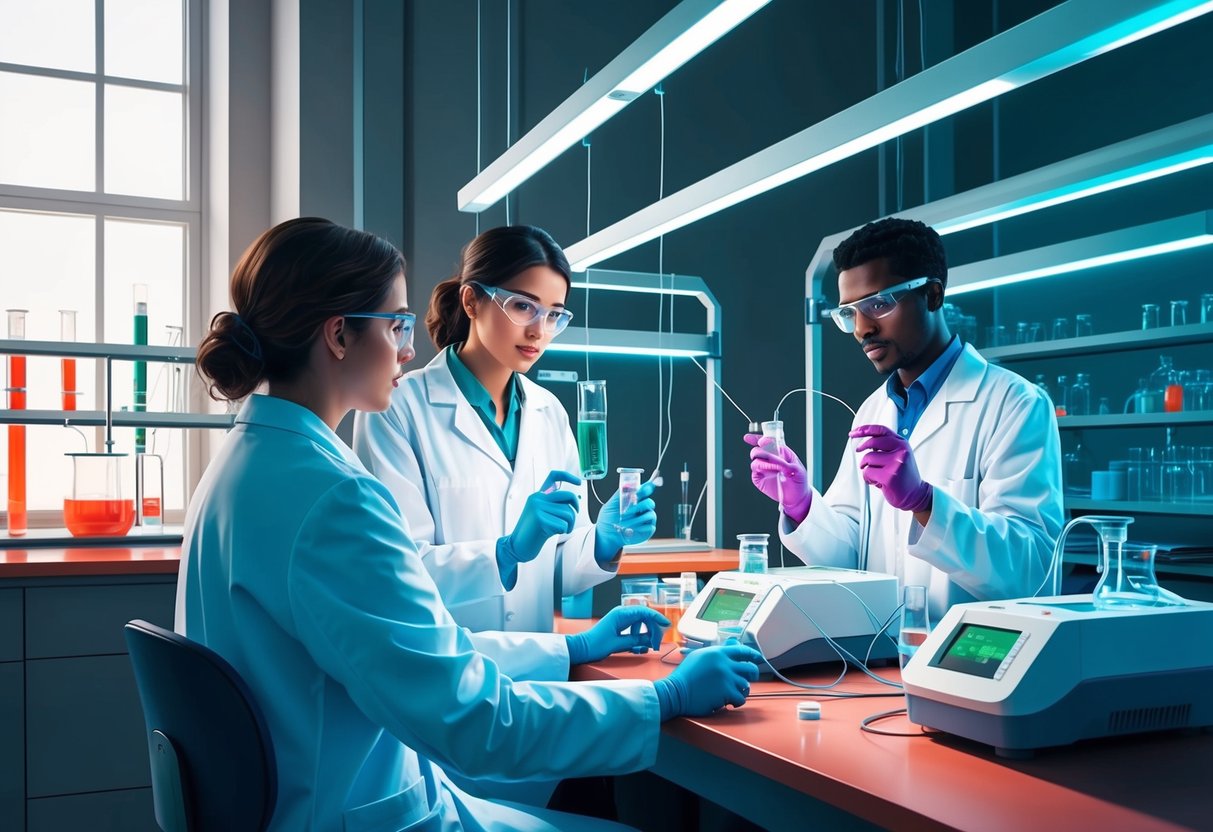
pixel 67 365
pixel 773 430
pixel 95 507
pixel 15 386
pixel 592 428
pixel 1038 672
pixel 629 483
pixel 792 614
pixel 752 554
pixel 140 339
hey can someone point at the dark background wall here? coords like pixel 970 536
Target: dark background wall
pixel 791 65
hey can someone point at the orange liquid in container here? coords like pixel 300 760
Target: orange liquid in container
pixel 103 518
pixel 674 613
pixel 68 366
pixel 16 506
pixel 1173 398
pixel 151 507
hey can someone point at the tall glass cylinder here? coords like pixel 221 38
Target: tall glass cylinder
pixel 592 428
pixel 752 556
pixel 915 623
pixel 140 339
pixel 15 385
pixel 67 365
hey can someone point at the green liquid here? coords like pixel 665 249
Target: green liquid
pixel 140 381
pixel 592 448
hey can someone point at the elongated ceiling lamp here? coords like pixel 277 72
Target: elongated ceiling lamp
pixel 1054 40
pixel 688 29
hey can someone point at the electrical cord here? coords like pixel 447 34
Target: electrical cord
pixel 868 721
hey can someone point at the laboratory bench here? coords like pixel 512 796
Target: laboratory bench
pixel 782 773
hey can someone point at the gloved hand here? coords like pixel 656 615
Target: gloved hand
pixel 612 532
pixel 889 465
pixel 765 468
pixel 617 632
pixel 548 512
pixel 708 679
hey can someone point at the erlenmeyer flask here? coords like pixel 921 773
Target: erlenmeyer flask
pixel 1128 578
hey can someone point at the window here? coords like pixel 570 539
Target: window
pixel 99 174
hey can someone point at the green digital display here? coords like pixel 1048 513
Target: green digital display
pixel 978 650
pixel 726 605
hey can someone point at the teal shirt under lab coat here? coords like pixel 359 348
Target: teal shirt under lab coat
pixel 297 568
pixel 505 434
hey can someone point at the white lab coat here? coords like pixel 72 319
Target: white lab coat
pixel 988 443
pixel 297 569
pixel 459 495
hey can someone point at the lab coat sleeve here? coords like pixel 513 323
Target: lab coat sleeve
pixel 829 535
pixel 465 571
pixel 368 613
pixel 579 569
pixel 1002 548
pixel 527 657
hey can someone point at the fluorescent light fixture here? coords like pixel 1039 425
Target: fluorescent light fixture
pixel 684 32
pixel 1056 39
pixel 637 342
pixel 598 349
pixel 1150 240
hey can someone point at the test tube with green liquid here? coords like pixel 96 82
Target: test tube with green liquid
pixel 140 366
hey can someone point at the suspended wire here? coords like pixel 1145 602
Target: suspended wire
pixel 899 65
pixel 588 199
pixel 508 9
pixel 669 392
pixel 479 108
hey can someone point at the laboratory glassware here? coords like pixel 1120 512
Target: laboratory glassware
pixel 592 428
pixel 669 604
pixel 773 430
pixel 688 588
pixel 1061 329
pixel 1149 316
pixel 1083 326
pixel 1063 392
pixel 752 556
pixel 140 339
pixel 1179 312
pixel 96 507
pixel 682 521
pixel 1021 332
pixel 915 622
pixel 629 482
pixel 1206 308
pixel 17 515
pixel 1079 401
pixel 1105 407
pixel 1161 380
pixel 67 364
pixel 149 490
pixel 1043 384
pixel 996 336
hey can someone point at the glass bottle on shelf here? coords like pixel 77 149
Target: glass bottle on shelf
pixel 1105 407
pixel 1043 384
pixel 1078 403
pixel 1156 388
pixel 1063 390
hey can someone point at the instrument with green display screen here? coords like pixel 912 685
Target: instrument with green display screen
pixel 847 605
pixel 1038 672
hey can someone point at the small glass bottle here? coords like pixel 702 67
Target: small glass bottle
pixel 1083 326
pixel 1149 316
pixel 1043 385
pixel 1162 378
pixel 1063 390
pixel 1105 407
pixel 1179 312
pixel 1078 403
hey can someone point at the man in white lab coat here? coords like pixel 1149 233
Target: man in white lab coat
pixel 957 460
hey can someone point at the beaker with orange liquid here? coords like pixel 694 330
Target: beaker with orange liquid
pixel 15 384
pixel 669 604
pixel 96 507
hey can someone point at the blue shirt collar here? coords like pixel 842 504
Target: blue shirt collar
pixel 478 397
pixel 928 384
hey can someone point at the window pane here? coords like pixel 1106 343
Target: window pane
pixel 44 284
pixel 152 254
pixel 144 150
pixel 56 34
pixel 48 140
pixel 143 39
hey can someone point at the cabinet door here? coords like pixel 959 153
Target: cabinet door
pixel 129 810
pixel 88 620
pixel 84 727
pixel 12 746
pixel 12 636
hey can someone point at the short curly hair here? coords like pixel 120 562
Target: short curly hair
pixel 913 249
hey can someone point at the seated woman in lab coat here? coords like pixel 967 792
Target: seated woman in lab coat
pixel 298 569
pixel 472 449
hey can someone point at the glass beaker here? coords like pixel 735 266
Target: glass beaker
pixel 1149 316
pixel 1078 403
pixel 669 604
pixel 1179 312
pixel 592 428
pixel 753 554
pixel 95 507
pixel 773 430
pixel 67 365
pixel 1083 326
pixel 17 513
pixel 1061 329
pixel 149 490
pixel 1206 308
pixel 682 521
pixel 915 622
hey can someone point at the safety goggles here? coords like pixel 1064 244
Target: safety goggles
pixel 403 327
pixel 524 311
pixel 879 305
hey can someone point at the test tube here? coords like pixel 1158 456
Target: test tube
pixel 774 430
pixel 629 482
pixel 140 339
pixel 17 516
pixel 67 366
pixel 592 428
pixel 149 490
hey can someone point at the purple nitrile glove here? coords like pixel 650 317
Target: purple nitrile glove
pixel 889 465
pixel 765 469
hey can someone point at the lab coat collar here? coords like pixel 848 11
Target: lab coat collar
pixel 960 386
pixel 272 412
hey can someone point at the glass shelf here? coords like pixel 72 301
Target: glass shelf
pixel 1137 420
pixel 78 349
pixel 1165 336
pixel 122 419
pixel 1202 509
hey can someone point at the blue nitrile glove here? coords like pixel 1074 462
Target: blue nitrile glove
pixel 708 679
pixel 547 513
pixel 612 532
pixel 618 632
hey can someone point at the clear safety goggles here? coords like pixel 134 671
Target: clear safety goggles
pixel 525 311
pixel 405 323
pixel 879 305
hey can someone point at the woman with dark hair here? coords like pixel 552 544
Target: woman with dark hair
pixel 475 453
pixel 298 569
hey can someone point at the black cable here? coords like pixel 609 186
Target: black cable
pixel 866 725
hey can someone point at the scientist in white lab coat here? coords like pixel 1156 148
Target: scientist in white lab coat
pixel 960 459
pixel 298 569
pixel 472 449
